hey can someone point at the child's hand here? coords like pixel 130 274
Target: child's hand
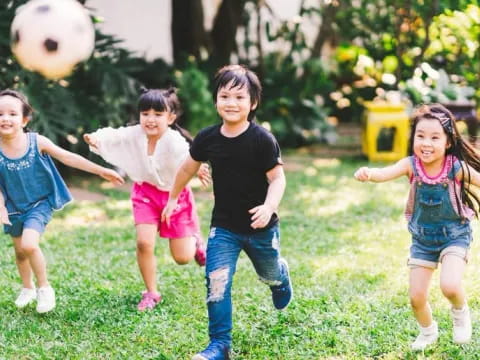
pixel 261 216
pixel 203 174
pixel 90 140
pixel 363 174
pixel 112 176
pixel 168 210
pixel 4 216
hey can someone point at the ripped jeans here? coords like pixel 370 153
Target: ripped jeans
pixel 224 246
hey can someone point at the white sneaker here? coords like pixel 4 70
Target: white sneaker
pixel 45 299
pixel 25 297
pixel 462 325
pixel 427 336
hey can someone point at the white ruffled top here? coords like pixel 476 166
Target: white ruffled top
pixel 127 148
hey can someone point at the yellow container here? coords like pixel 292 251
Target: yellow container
pixel 385 131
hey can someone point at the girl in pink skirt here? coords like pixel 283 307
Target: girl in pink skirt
pixel 150 153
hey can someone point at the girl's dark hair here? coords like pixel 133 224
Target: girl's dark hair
pixel 27 109
pixel 459 147
pixel 239 76
pixel 163 100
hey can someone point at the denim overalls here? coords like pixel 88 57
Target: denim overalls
pixel 437 223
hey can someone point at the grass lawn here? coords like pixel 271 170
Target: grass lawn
pixel 347 245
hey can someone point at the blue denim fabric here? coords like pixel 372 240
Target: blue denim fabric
pixel 435 225
pixel 36 218
pixel 223 249
pixel 33 177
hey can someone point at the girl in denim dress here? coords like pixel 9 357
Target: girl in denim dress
pixel 31 188
pixel 441 168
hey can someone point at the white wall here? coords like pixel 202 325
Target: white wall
pixel 144 25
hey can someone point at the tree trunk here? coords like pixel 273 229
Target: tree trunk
pixel 326 31
pixel 188 32
pixel 224 31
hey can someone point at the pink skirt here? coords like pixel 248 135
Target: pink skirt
pixel 148 203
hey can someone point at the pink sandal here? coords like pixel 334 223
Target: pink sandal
pixel 200 253
pixel 149 301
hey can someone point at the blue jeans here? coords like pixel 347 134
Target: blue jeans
pixel 224 246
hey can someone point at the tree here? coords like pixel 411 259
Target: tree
pixel 189 36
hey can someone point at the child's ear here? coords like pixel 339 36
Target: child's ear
pixel 172 118
pixel 26 120
pixel 254 106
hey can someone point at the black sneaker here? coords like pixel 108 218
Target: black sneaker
pixel 214 351
pixel 282 294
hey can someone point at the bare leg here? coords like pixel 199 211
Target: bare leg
pixel 30 247
pixel 146 236
pixel 451 276
pixel 419 283
pixel 23 265
pixel 183 249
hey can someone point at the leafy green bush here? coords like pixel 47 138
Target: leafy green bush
pixel 293 101
pixel 196 98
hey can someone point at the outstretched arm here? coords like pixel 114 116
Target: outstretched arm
pixel 184 174
pixel 400 168
pixel 263 213
pixel 76 161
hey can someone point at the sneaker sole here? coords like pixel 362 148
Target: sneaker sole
pixel 290 279
pixel 43 311
pixel 21 306
pixel 199 357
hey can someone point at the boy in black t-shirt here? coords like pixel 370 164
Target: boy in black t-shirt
pixel 248 184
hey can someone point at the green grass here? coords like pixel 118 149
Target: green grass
pixel 347 246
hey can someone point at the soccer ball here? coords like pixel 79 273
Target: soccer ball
pixel 52 36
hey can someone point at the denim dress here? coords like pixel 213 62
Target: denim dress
pixel 30 180
pixel 437 218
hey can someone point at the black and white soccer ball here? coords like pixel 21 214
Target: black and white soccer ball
pixel 52 36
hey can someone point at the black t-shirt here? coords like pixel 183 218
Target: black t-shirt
pixel 239 166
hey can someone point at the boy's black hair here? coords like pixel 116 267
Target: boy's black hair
pixel 459 147
pixel 239 76
pixel 163 100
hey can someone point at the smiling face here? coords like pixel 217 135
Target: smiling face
pixel 430 142
pixel 234 104
pixel 12 120
pixel 154 123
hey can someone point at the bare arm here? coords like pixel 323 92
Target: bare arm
pixel 76 161
pixel 3 211
pixel 263 213
pixel 400 168
pixel 467 169
pixel 184 174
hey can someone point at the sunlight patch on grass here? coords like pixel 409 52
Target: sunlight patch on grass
pixel 322 202
pixel 326 163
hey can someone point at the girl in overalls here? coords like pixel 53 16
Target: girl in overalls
pixel 441 168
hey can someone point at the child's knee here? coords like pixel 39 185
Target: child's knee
pixel 20 255
pixel 145 246
pixel 28 248
pixel 418 298
pixel 450 289
pixel 182 259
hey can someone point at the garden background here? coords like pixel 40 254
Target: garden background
pixel 347 249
